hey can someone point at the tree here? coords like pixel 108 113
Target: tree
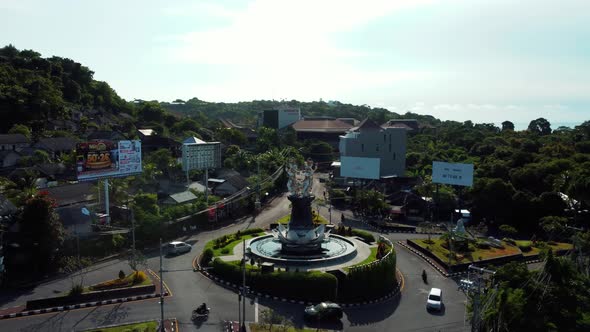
pixel 267 138
pixel 136 260
pixel 20 129
pixel 540 126
pixel 554 227
pixel 44 233
pixel 508 230
pixel 507 126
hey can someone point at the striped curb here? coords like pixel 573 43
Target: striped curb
pixel 436 267
pixel 80 305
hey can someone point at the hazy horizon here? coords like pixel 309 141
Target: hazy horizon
pixel 484 61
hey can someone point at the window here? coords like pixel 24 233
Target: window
pixel 362 148
pixel 384 137
pixel 389 147
pixel 394 156
pixel 377 148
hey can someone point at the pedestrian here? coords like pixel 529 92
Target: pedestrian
pixel 424 277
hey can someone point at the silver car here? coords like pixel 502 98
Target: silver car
pixel 177 247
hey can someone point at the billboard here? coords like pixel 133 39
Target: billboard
pixel 205 155
pixel 456 174
pixel 360 168
pixel 107 159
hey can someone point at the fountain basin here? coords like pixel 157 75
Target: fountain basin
pixel 335 249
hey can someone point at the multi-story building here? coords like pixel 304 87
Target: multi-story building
pixel 279 117
pixel 371 151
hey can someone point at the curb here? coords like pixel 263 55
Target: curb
pixel 436 267
pixel 80 305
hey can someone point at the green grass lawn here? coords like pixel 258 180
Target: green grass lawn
pixel 318 220
pixel 466 257
pixel 229 246
pixel 137 327
pixel 536 250
pixel 372 257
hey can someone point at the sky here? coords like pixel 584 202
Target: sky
pixel 484 61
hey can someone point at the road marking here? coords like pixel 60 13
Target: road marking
pixel 256 310
pixel 401 288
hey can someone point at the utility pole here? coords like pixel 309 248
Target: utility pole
pixel 475 288
pixel 257 204
pixel 106 201
pixel 161 291
pixel 243 326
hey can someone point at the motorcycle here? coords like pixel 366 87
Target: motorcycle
pixel 200 312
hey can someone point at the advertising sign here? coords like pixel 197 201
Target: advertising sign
pixel 456 174
pixel 201 155
pixel 106 159
pixel 360 168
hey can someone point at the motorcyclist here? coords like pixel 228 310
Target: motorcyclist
pixel 202 308
pixel 424 277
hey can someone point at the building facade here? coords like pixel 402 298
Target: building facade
pixel 371 151
pixel 279 117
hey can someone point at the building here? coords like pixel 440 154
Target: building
pixel 371 151
pixel 9 158
pixel 180 198
pixel 56 146
pixel 328 130
pixel 279 117
pixel 411 124
pixel 14 142
pixel 228 182
pixel 198 154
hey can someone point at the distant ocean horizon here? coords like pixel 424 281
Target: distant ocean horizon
pixel 554 125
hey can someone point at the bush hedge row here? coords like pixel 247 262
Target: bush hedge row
pixel 366 236
pixel 308 286
pixel 369 281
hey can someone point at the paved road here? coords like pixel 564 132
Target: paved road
pixel 406 312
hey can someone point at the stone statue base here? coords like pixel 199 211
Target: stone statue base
pixel 301 236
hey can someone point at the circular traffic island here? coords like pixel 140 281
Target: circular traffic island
pixel 347 268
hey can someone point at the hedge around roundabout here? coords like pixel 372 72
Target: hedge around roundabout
pixel 362 283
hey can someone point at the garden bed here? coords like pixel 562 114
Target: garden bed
pixel 317 219
pixel 530 248
pixel 150 326
pixel 474 255
pixel 224 245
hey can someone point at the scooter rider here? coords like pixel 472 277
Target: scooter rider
pixel 202 308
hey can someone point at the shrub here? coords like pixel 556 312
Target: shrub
pixel 207 256
pixel 225 251
pixel 139 277
pixel 121 274
pixel 252 231
pixel 509 241
pixel 76 290
pixel 427 241
pixel 366 236
pixel 552 243
pixel 524 247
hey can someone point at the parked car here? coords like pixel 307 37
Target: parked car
pixel 323 311
pixel 434 300
pixel 178 247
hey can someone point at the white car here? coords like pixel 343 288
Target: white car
pixel 434 301
pixel 177 247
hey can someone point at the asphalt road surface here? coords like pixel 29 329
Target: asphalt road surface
pixel 404 312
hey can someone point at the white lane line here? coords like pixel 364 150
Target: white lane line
pixel 256 310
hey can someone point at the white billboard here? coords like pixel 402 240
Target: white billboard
pixel 360 168
pixel 456 174
pixel 205 155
